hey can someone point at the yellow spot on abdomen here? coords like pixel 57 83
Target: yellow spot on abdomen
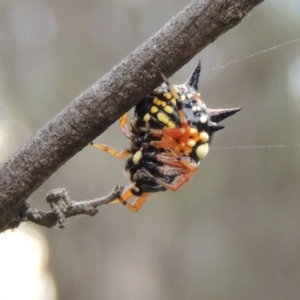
pixel 163 118
pixel 171 124
pixel 168 109
pixel 168 95
pixel 146 117
pixel 155 100
pixel 173 101
pixel 153 109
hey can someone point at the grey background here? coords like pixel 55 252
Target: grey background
pixel 233 231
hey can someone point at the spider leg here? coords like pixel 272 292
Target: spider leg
pixel 183 120
pixel 171 137
pixel 127 194
pixel 173 159
pixel 191 166
pixel 172 170
pixel 167 137
pixel 176 184
pixel 119 154
pixel 170 86
pixel 174 133
pixel 123 126
pixel 165 144
pixel 169 144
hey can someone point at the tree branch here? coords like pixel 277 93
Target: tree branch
pixel 63 208
pixel 92 112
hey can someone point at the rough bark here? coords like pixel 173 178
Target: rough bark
pixel 92 112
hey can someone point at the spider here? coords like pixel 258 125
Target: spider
pixel 170 132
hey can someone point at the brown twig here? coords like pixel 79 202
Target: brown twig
pixel 63 208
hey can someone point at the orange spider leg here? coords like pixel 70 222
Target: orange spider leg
pixel 171 132
pixel 172 170
pixel 164 143
pixel 168 137
pixel 169 141
pixel 119 154
pixel 123 126
pixel 170 86
pixel 136 205
pixel 176 184
pixel 173 159
pixel 183 120
pixel 192 167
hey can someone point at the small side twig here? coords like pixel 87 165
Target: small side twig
pixel 63 208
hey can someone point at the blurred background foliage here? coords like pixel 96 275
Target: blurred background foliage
pixel 233 231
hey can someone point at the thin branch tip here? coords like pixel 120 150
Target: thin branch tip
pixel 62 208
